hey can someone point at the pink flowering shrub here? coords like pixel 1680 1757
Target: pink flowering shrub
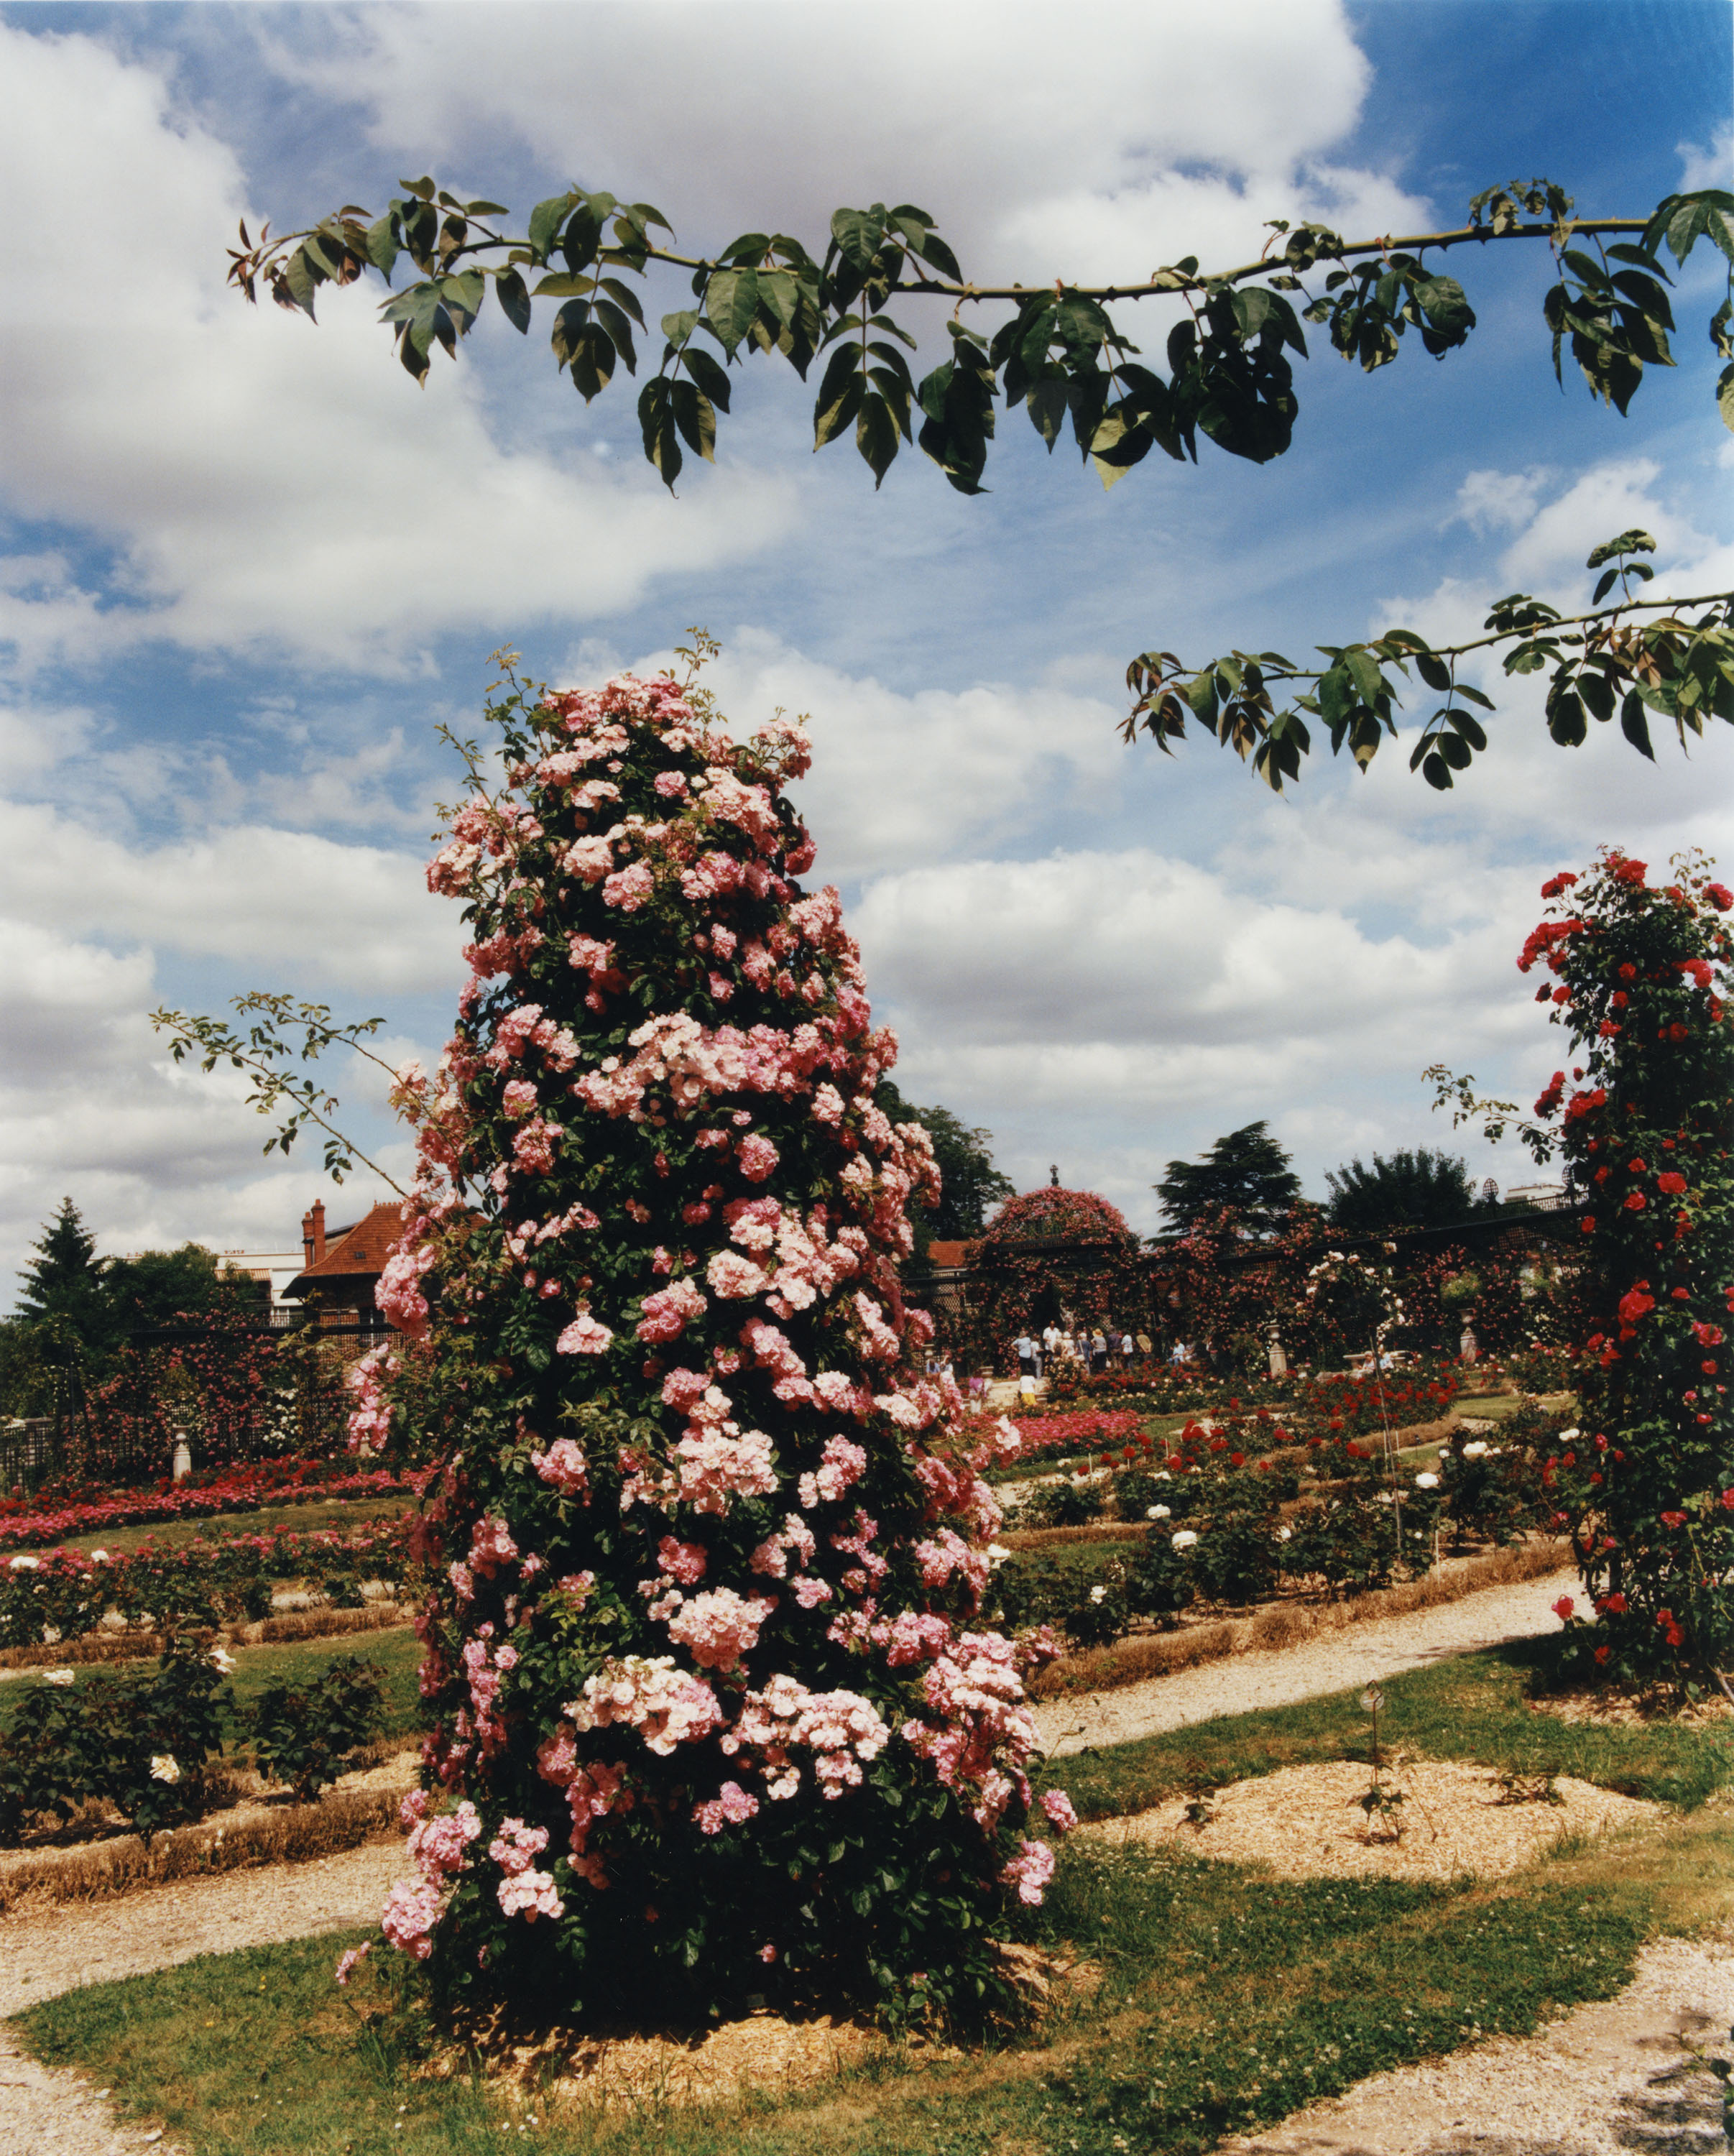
pixel 712 1711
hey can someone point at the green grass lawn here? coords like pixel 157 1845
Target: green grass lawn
pixel 214 1526
pixel 1471 1707
pixel 1227 1998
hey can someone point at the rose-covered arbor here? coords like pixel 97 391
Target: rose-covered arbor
pixel 711 1716
pixel 1051 1253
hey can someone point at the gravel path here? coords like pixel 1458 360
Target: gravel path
pixel 1626 2075
pixel 1357 1655
pixel 70 1944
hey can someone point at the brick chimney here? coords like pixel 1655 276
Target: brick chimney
pixel 313 1232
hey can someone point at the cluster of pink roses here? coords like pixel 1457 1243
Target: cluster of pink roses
pixel 659 1215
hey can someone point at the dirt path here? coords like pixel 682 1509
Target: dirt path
pixel 1359 1654
pixel 1627 2075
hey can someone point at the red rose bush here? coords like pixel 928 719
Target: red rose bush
pixel 1642 1125
pixel 712 1711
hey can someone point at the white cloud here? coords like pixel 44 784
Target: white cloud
pixel 154 1154
pixel 1129 970
pixel 898 777
pixel 1701 167
pixel 1144 120
pixel 1497 500
pixel 269 487
pixel 291 907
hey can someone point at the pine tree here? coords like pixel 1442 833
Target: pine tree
pixel 1247 1172
pixel 711 1715
pixel 64 1283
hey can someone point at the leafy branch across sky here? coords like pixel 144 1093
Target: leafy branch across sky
pixel 283 1033
pixel 1064 356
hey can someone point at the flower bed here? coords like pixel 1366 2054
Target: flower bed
pixel 51 1515
pixel 1229 1512
pixel 67 1592
pixel 1357 1401
pixel 1045 1436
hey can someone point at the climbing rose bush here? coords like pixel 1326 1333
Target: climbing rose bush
pixel 713 1713
pixel 1639 980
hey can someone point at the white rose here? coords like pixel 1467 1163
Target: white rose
pixel 57 1676
pixel 1566 1435
pixel 1475 1450
pixel 165 1767
pixel 1185 1538
pixel 1282 1534
pixel 1427 1481
pixel 99 1556
pixel 26 1564
pixel 1158 1512
pixel 223 1662
pixel 1098 1594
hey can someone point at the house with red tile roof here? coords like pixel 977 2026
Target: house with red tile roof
pixel 341 1265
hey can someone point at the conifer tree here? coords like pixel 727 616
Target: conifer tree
pixel 711 1711
pixel 64 1282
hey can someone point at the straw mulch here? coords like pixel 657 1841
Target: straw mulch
pixel 1306 1822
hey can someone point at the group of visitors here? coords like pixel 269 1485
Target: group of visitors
pixel 1088 1348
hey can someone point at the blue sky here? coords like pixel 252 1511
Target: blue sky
pixel 246 567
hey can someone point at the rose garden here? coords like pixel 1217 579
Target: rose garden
pixel 732 1625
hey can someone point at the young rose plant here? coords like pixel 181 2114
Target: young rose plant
pixel 1642 1123
pixel 713 1713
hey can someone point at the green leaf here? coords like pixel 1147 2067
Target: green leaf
pixel 422 189
pixel 1597 690
pixel 1364 668
pixel 876 432
pixel 1046 404
pixel 545 221
pixel 514 300
pixel 1634 726
pixel 940 257
pixel 1474 697
pixel 1434 672
pixel 382 249
pixel 656 421
pixel 562 284
pixel 304 277
pixel 695 418
pixel 731 300
pixel 711 377
pixel 486 209
pixel 857 234
pixel 832 414
pixel 1725 395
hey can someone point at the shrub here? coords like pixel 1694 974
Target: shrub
pixel 1159 1581
pixel 1348 1544
pixel 304 1734
pixel 1642 1126
pixel 1096 1614
pixel 140 1741
pixel 1235 1557
pixel 713 1711
pixel 1070 1503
